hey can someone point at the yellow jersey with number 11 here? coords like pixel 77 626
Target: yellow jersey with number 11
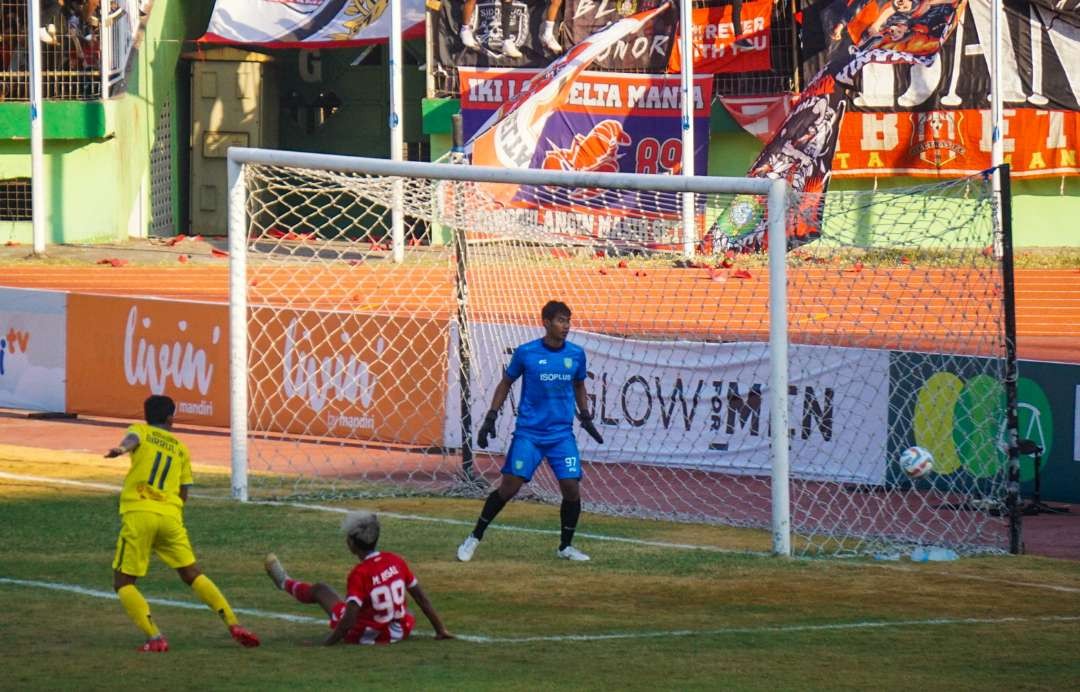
pixel 159 466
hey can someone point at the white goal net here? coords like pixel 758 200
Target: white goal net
pixel 373 347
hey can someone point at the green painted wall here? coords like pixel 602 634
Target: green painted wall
pixel 60 120
pixel 1039 206
pixel 97 155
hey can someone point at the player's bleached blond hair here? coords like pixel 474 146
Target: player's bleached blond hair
pixel 362 527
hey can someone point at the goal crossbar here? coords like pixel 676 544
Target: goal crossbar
pixel 490 174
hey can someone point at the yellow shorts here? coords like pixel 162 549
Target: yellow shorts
pixel 141 532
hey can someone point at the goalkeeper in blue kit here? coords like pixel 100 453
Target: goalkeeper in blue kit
pixel 552 371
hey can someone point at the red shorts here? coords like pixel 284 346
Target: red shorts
pixel 371 632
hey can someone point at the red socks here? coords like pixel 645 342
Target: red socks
pixel 299 590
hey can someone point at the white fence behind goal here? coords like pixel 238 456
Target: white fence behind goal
pixel 363 369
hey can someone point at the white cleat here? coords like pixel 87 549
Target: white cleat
pixel 467 548
pixel 510 49
pixel 571 553
pixel 275 571
pixel 468 38
pixel 550 43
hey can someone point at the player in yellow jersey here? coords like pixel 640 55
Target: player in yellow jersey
pixel 152 519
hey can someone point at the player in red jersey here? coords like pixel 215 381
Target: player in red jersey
pixel 373 610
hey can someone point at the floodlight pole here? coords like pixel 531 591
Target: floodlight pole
pixel 37 137
pixel 686 46
pixel 397 132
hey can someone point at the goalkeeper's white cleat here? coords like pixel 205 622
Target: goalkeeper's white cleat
pixel 550 42
pixel 276 571
pixel 467 548
pixel 573 554
pixel 468 38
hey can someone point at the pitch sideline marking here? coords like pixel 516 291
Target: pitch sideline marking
pixel 523 529
pixel 481 639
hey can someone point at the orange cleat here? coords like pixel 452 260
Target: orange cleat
pixel 245 637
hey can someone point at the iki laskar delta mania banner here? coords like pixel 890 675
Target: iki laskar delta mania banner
pixel 802 152
pixel 514 137
pixel 610 122
pixel 309 23
pixel 933 119
pixel 511 135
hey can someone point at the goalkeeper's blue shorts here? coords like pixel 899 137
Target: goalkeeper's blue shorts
pixel 525 454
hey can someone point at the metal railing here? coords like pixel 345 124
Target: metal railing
pixel 85 47
pixel 121 27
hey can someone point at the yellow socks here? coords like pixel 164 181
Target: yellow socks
pixel 139 610
pixel 208 593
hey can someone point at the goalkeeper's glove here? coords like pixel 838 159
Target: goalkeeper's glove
pixel 487 429
pixel 587 426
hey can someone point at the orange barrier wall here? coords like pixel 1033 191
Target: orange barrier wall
pixel 332 374
pixel 121 350
pixel 347 374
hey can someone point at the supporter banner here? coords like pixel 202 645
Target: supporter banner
pixel 893 33
pixel 957 142
pixel 310 23
pixel 494 24
pixel 801 153
pixel 761 116
pixel 348 375
pixel 609 121
pixel 33 343
pixel 129 348
pixel 715 49
pixel 1040 53
pixel 510 137
pixel 706 405
pixel 647 48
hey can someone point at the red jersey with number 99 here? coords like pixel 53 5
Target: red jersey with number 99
pixel 378 586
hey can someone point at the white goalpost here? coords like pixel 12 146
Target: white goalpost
pixel 363 359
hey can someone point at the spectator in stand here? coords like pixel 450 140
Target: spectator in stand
pixel 51 16
pixel 12 52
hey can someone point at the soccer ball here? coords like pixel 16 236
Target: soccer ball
pixel 916 462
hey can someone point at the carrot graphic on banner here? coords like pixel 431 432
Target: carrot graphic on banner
pixel 509 138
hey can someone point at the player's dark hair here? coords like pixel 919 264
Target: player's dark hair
pixel 554 308
pixel 157 408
